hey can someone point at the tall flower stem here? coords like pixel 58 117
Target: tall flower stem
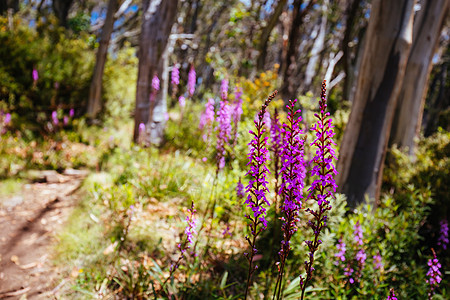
pixel 320 190
pixel 293 175
pixel 257 187
pixel 205 214
pixel 276 137
pixel 189 232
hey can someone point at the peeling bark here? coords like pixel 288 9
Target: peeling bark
pixel 427 28
pixel 363 149
pixel 95 91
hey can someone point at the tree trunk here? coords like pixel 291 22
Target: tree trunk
pixel 95 91
pixel 289 66
pixel 317 48
pixel 158 19
pixel 438 98
pixel 61 9
pixel 265 34
pixel 363 148
pixel 408 116
pixel 159 114
pixel 352 11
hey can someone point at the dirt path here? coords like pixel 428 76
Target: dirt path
pixel 28 223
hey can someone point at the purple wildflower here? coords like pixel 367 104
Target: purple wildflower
pixel 224 127
pixel 434 274
pixel 155 83
pixel 71 112
pixel 141 136
pixel 175 78
pixel 348 271
pixel 141 128
pixel 191 81
pixel 443 237
pixel 391 295
pixel 240 190
pixel 190 228
pixel 224 89
pixel 189 231
pixel 377 261
pixel 341 254
pixel 320 190
pixel 275 146
pixel 207 118
pixel 293 176
pixel 257 187
pixel 66 120
pixel 7 119
pixel 141 133
pixel 35 75
pixel 182 101
pixel 227 231
pixel 55 118
pixel 357 233
pixel 361 257
pixel 208 114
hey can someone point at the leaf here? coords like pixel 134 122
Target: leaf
pixel 223 282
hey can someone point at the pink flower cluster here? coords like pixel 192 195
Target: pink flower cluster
pixel 434 274
pixel 207 118
pixel 224 132
pixel 322 188
pixel 191 81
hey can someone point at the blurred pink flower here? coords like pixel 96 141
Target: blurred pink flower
pixel 35 75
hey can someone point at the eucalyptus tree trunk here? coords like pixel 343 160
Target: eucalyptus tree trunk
pixel 265 34
pixel 95 91
pixel 363 149
pixel 319 43
pixel 289 64
pixel 158 18
pixel 438 97
pixel 347 61
pixel 408 116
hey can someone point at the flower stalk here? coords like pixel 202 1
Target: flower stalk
pixel 257 187
pixel 293 176
pixel 322 188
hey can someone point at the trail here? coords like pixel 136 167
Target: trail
pixel 28 223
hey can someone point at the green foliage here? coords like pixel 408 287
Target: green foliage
pixel 64 66
pixel 119 85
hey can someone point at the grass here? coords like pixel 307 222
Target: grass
pixel 10 188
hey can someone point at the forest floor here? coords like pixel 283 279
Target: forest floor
pixel 29 222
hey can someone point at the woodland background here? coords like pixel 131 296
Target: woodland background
pixel 75 83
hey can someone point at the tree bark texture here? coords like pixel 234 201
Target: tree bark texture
pixel 408 116
pixel 363 149
pixel 265 34
pixel 347 61
pixel 289 66
pixel 158 18
pixel 438 97
pixel 95 91
pixel 319 44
